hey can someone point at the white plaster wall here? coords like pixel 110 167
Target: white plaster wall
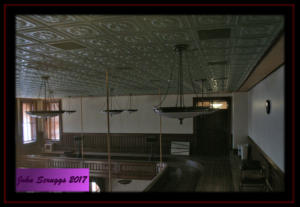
pixel 268 130
pixel 239 118
pixel 143 121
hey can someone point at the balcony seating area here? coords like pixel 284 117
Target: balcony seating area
pixel 252 176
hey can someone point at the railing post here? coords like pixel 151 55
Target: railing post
pixel 108 134
pixel 160 133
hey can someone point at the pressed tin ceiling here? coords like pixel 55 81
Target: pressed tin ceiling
pixel 137 50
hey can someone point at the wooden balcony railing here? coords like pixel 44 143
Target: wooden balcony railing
pixel 145 170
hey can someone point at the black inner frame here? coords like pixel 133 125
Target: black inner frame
pixel 11 195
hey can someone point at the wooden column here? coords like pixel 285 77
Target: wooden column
pixel 108 134
pixel 160 132
pixel 81 126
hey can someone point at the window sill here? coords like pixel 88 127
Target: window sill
pixel 52 141
pixel 29 142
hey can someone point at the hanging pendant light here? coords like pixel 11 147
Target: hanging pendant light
pixel 182 112
pixel 70 111
pixel 130 109
pixel 112 111
pixel 46 113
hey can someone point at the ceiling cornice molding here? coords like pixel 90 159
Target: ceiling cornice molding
pixel 272 60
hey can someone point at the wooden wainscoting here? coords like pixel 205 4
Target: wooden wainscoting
pixel 275 176
pixel 122 143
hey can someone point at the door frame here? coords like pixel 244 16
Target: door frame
pixel 214 98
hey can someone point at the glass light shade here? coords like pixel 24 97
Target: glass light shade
pixel 113 112
pixel 183 112
pixel 69 111
pixel 131 110
pixel 217 105
pixel 47 114
pixel 44 114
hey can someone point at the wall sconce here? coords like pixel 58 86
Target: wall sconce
pixel 268 106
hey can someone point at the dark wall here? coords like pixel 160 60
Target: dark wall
pixel 213 131
pixel 274 174
pixel 121 143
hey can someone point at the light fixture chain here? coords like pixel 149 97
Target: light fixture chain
pixel 41 88
pixel 69 103
pixel 183 112
pixel 178 81
pixel 202 87
pixel 45 91
pixel 116 103
pixel 111 98
pixel 102 107
pixel 50 92
pixel 190 75
pixel 168 87
pixel 180 78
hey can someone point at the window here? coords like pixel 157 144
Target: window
pixel 28 123
pixel 95 187
pixel 52 125
pixel 214 104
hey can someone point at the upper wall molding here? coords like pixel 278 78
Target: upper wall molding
pixel 272 60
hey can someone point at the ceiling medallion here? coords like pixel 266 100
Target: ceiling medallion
pixel 180 111
pixel 47 113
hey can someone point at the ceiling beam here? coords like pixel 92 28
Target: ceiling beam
pixel 270 62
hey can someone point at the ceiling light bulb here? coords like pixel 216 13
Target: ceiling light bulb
pixel 216 105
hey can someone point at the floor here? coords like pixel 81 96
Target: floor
pixel 205 174
pixel 216 176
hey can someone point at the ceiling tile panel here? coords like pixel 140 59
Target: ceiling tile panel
pixel 176 37
pixel 22 23
pixel 44 35
pixel 251 42
pixel 96 42
pixel 118 25
pixel 165 22
pixel 216 51
pixel 247 51
pixel 40 48
pixel 136 49
pixel 135 38
pixel 212 20
pixel 148 48
pixel 78 30
pixel 23 41
pixel 20 60
pixel 216 43
pixel 260 19
pixel 257 31
pixel 88 53
pixel 57 19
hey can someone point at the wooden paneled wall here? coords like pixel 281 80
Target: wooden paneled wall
pixel 121 143
pixel 275 175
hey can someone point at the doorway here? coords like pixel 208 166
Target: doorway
pixel 213 131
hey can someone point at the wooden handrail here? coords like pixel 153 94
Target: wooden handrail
pixel 120 168
pixel 268 159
